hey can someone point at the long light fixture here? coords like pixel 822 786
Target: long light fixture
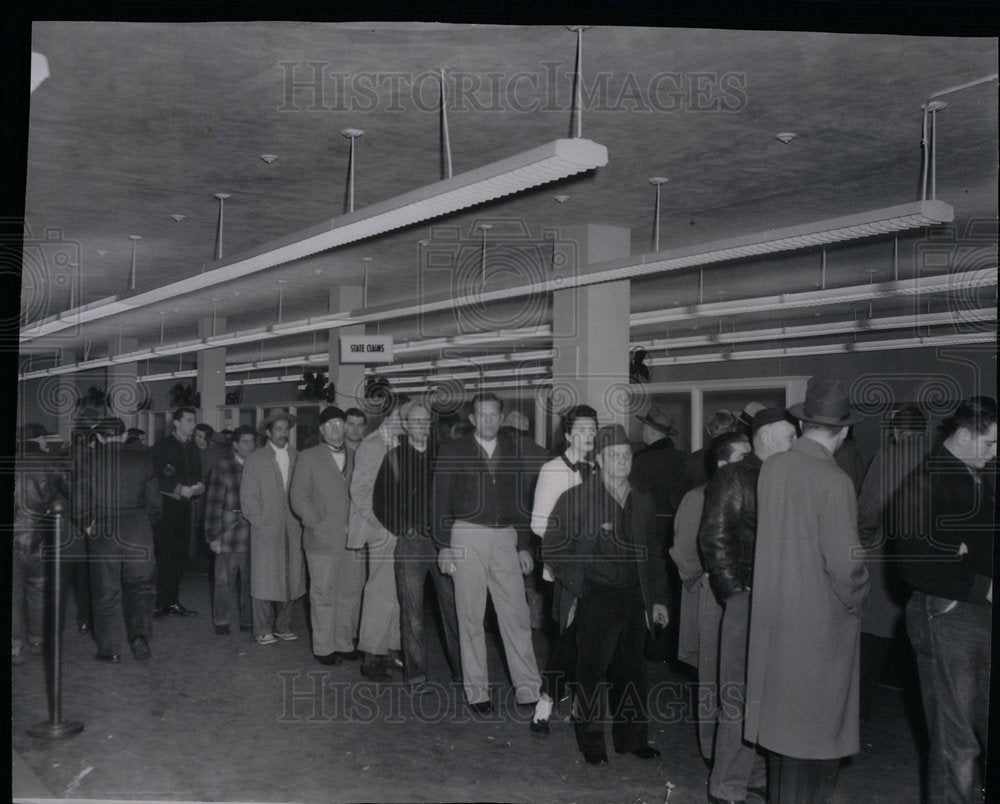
pixel 949 283
pixel 550 162
pixel 828 349
pixel 878 221
pixel 828 328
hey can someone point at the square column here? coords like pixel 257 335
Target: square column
pixel 348 378
pixel 590 330
pixel 211 379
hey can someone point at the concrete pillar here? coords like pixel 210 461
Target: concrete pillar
pixel 590 330
pixel 211 379
pixel 123 393
pixel 348 378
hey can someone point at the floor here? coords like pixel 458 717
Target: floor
pixel 213 718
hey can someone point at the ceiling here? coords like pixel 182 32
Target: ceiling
pixel 138 122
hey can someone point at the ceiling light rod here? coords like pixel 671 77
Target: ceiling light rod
pixel 576 121
pixel 485 227
pixel 131 277
pixel 549 162
pixel 218 229
pixel 364 289
pixel 782 333
pixel 657 181
pixel 445 139
pixel 917 342
pixel 352 134
pixel 947 284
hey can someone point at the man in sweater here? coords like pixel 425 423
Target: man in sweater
pixel 402 503
pixel 481 526
pixel 726 538
pixel 947 558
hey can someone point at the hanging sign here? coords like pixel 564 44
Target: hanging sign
pixel 366 349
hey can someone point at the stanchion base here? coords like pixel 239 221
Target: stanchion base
pixel 48 729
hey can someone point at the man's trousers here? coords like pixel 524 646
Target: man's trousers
pixel 379 631
pixel 416 557
pixel 611 636
pixel 231 596
pixel 737 764
pixel 488 562
pixel 336 581
pixel 172 533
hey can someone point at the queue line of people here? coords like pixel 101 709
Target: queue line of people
pixel 768 547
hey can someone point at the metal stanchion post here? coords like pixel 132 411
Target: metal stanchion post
pixel 55 726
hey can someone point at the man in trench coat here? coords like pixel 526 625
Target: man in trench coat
pixel 277 569
pixel 809 584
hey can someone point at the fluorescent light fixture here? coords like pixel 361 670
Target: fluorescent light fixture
pixel 949 283
pixel 550 162
pixel 829 328
pixel 828 349
pixel 922 213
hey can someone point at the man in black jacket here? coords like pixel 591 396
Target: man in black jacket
pixel 947 558
pixel 727 537
pixel 401 501
pixel 177 463
pixel 601 545
pixel 121 498
pixel 482 525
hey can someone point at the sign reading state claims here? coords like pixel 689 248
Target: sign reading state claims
pixel 366 349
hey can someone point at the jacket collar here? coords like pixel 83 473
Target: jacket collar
pixel 813 449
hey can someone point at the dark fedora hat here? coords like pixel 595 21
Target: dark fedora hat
pixel 827 402
pixel 659 419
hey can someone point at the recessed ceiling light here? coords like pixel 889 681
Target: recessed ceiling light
pixel 178 218
pixel 101 252
pixel 562 199
pixel 269 158
pixel 659 180
pixel 785 136
pixel 317 271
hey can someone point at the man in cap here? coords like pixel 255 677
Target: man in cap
pixel 727 537
pixel 809 583
pixel 121 500
pixel 947 559
pixel 277 569
pixel 320 495
pixel 133 439
pixel 178 469
pixel 602 546
pixel 481 525
pixel 402 502
pixel 227 532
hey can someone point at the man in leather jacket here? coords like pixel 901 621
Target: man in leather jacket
pixel 726 537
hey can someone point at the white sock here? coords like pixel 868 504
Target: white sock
pixel 543 708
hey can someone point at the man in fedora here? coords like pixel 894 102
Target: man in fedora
pixel 808 586
pixel 658 468
pixel 277 567
pixel 602 547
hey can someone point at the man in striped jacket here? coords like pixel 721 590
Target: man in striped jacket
pixel 228 535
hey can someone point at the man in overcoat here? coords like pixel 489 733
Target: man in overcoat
pixel 277 569
pixel 602 546
pixel 320 495
pixel 809 583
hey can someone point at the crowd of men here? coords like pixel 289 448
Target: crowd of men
pixel 763 528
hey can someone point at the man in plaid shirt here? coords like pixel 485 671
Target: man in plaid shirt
pixel 228 535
